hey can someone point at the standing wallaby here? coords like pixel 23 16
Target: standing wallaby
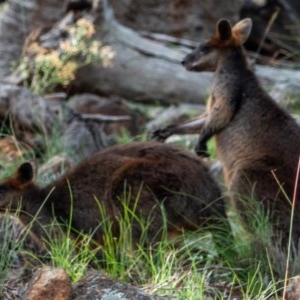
pixel 257 142
pixel 145 176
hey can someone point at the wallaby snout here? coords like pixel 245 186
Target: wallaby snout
pixel 203 58
pixel 190 61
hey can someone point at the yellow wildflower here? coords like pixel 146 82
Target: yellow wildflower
pixel 67 72
pixel 67 47
pixel 71 30
pixel 86 26
pixel 35 48
pixel 95 48
pixel 106 55
pixel 51 58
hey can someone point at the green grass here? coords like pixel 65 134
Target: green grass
pixel 72 254
pixel 186 267
pixel 7 248
pixel 189 266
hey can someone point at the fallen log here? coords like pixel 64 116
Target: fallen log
pixel 145 69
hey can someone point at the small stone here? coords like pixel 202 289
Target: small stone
pixel 49 284
pixel 293 289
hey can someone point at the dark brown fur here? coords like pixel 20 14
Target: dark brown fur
pixel 257 141
pixel 154 173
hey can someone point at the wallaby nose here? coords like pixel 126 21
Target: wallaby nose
pixel 183 62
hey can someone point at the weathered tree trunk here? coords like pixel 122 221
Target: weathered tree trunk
pixel 142 70
pixel 149 71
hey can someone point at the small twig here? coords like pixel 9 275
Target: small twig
pixel 291 229
pixel 267 30
pixel 160 37
pixel 104 118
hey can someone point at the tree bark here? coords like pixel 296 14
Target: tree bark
pixel 145 69
pixel 149 71
pixel 142 70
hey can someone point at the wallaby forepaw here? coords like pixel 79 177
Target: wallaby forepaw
pixel 202 153
pixel 201 150
pixel 160 134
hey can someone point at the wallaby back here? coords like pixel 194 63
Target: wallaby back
pixel 145 176
pixel 257 141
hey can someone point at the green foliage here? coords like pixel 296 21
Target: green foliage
pixel 8 247
pixel 161 267
pixel 254 285
pixel 126 137
pixel 45 69
pixel 211 147
pixel 72 254
pixel 190 266
pixel 186 267
pixel 119 253
pixel 51 143
pixel 12 241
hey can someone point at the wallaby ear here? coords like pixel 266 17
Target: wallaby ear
pixel 242 29
pixel 223 30
pixel 25 173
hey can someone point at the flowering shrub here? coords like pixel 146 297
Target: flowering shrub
pixel 45 69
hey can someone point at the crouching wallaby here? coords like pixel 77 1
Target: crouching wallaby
pixel 150 180
pixel 257 142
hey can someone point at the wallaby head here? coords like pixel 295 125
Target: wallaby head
pixel 11 188
pixel 206 56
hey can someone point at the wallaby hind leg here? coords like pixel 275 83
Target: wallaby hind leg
pixel 258 199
